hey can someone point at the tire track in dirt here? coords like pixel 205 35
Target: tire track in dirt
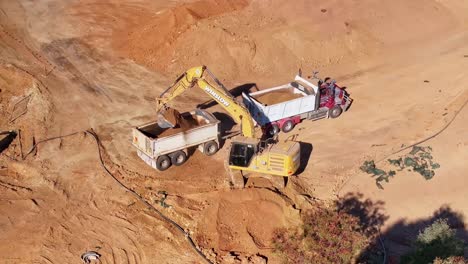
pixel 57 49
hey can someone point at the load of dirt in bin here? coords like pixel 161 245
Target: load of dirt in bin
pixel 171 116
pixel 184 123
pixel 277 96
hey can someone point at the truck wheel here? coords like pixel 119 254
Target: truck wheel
pixel 288 126
pixel 335 111
pixel 273 129
pixel 163 163
pixel 178 158
pixel 210 148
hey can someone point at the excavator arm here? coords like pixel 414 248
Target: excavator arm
pixel 195 75
pixel 183 83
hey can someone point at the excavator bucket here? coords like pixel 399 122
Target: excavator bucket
pixel 169 118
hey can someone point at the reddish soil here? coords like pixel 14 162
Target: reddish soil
pixel 152 39
pixel 100 63
pixel 275 97
pixel 184 123
pixel 171 115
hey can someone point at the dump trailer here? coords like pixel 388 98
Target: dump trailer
pixel 160 147
pixel 282 107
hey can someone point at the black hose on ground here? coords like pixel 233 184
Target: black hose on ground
pixel 427 138
pixel 34 146
pixel 383 248
pixel 135 194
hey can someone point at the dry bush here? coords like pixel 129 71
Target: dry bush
pixel 451 260
pixel 325 236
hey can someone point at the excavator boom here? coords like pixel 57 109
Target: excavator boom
pixel 183 83
pixel 194 76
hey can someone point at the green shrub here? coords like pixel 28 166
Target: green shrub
pixel 435 241
pixel 418 160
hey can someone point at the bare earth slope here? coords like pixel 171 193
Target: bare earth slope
pixel 100 63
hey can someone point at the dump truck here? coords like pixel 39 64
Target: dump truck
pixel 283 107
pixel 248 152
pixel 160 147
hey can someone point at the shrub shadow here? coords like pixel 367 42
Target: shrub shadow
pixel 400 237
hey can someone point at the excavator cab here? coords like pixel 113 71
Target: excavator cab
pixel 242 153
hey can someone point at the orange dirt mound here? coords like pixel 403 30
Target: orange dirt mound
pixel 152 40
pixel 243 221
pixel 267 39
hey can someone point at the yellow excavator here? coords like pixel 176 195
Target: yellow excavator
pixel 248 153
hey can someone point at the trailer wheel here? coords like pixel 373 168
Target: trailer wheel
pixel 287 126
pixel 335 111
pixel 178 158
pixel 273 129
pixel 163 163
pixel 210 148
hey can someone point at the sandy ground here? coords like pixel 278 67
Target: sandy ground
pixel 68 66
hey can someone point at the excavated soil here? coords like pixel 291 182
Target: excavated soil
pixel 153 38
pixel 184 123
pixel 275 97
pixel 69 66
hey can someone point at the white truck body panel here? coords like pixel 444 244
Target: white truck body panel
pixel 264 114
pixel 149 148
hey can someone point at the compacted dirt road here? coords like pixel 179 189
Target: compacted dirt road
pixel 69 66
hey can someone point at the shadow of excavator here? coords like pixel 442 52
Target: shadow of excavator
pixel 6 137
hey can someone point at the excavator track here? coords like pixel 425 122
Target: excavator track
pixel 240 179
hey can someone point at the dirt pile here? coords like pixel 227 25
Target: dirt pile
pixel 243 221
pixel 184 123
pixel 278 96
pixel 24 106
pixel 14 85
pixel 152 41
pixel 274 38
